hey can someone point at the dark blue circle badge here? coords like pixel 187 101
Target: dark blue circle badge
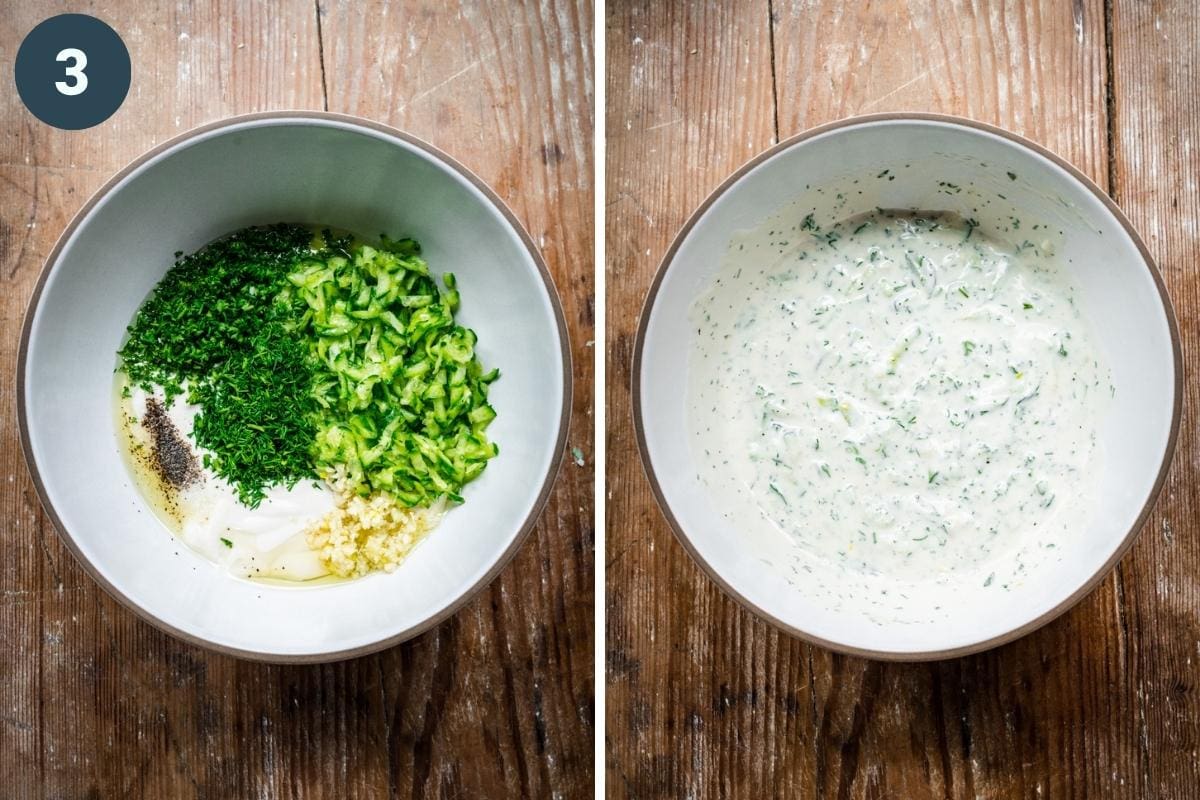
pixel 72 71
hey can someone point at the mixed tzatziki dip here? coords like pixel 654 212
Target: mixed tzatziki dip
pixel 898 392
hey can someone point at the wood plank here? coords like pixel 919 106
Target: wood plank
pixel 1034 67
pixel 85 681
pixel 689 99
pixel 505 89
pixel 1037 69
pixel 713 701
pixel 1155 63
pixel 497 700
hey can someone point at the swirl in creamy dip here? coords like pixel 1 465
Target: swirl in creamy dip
pixel 898 393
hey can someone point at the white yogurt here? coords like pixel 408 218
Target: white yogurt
pixel 267 541
pixel 897 393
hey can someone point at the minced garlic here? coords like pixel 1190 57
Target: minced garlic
pixel 364 534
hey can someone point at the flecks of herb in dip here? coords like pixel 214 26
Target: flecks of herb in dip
pixel 898 393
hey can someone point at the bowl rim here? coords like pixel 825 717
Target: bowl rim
pixel 973 126
pixel 367 127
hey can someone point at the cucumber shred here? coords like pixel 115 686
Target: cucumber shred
pixel 402 399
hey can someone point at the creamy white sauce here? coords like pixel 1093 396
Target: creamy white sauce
pixel 897 393
pixel 267 541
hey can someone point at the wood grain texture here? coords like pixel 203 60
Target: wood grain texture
pixel 1155 115
pixel 498 700
pixel 704 699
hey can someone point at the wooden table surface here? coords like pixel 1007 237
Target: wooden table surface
pixel 498 701
pixel 706 700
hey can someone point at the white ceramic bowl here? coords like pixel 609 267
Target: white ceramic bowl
pixel 294 167
pixel 1121 297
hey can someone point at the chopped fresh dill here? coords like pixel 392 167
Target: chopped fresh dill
pixel 213 323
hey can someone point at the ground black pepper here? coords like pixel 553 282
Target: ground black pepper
pixel 171 456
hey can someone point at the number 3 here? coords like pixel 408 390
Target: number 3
pixel 75 71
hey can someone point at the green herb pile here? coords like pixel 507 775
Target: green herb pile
pixel 324 359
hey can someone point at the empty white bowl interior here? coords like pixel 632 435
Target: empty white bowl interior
pixel 295 170
pixel 1117 297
